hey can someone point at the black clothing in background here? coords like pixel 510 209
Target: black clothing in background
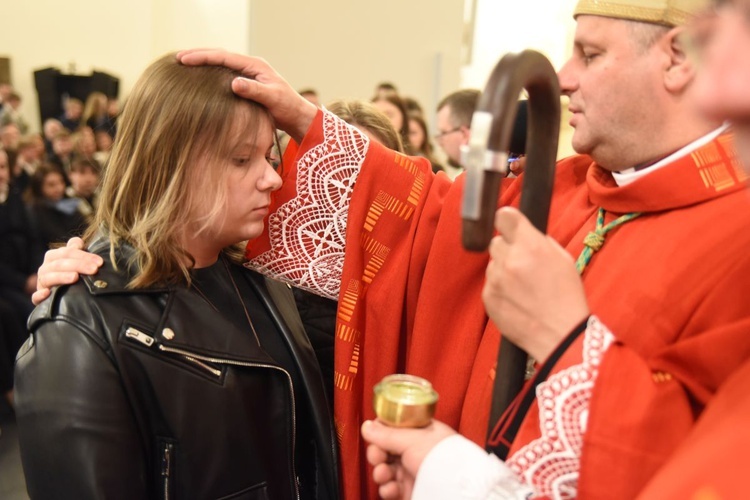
pixel 56 222
pixel 319 317
pixel 21 253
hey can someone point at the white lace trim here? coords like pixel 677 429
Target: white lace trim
pixel 551 463
pixel 307 233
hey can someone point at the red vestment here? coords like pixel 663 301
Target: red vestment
pixel 713 461
pixel 671 285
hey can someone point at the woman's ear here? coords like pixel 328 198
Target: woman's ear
pixel 680 70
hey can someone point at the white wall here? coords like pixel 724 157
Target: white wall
pixel 181 24
pixel 340 47
pixel 117 37
pixel 343 48
pixel 502 27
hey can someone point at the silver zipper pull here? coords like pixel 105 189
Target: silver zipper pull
pixel 138 335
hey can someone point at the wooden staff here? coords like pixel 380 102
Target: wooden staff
pixel 486 158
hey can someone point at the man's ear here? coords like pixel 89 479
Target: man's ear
pixel 680 69
pixel 465 134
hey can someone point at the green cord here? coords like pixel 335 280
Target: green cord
pixel 595 239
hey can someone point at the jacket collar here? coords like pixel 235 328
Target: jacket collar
pixel 173 315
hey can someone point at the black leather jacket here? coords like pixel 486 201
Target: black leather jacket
pixel 151 394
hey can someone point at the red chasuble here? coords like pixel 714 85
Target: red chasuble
pixel 670 284
pixel 713 462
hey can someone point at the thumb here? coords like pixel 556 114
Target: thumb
pixel 245 87
pixel 392 440
pixel 511 224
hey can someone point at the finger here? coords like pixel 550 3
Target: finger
pixel 247 65
pixel 191 51
pixel 376 455
pixel 75 242
pixel 498 249
pixel 38 296
pixel 74 253
pixel 387 438
pixel 390 491
pixel 55 278
pixel 518 166
pixel 383 473
pixel 75 265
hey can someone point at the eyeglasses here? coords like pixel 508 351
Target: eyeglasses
pixel 439 136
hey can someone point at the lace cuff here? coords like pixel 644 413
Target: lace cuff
pixel 307 231
pixel 551 463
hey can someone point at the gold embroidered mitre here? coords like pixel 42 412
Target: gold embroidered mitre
pixel 666 12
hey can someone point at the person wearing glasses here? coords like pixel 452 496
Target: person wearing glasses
pixel 670 284
pixel 454 114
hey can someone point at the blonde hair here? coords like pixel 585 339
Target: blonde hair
pixel 364 115
pixel 176 121
pixel 95 107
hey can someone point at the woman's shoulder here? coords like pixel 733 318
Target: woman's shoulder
pixel 95 303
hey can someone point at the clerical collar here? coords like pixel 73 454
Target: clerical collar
pixel 625 177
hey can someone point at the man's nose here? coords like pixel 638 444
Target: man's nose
pixel 567 78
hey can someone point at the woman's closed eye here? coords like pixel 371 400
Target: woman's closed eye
pixel 240 161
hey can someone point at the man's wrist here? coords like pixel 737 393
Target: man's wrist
pixel 305 119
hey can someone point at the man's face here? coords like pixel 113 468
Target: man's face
pixel 9 136
pixel 721 86
pixel 450 137
pixel 74 110
pixel 613 85
pixel 62 146
pixel 51 128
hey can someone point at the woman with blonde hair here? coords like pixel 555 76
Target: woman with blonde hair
pixel 95 111
pixel 175 372
pixel 370 120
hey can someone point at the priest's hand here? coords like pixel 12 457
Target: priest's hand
pixel 396 454
pixel 292 113
pixel 533 292
pixel 62 266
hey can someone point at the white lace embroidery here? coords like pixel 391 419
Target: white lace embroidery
pixel 510 488
pixel 551 463
pixel 307 233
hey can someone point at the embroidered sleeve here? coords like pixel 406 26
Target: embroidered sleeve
pixel 551 463
pixel 307 232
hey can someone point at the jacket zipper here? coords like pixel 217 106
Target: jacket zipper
pixel 148 341
pixel 203 365
pixel 166 467
pixel 197 357
pixel 201 361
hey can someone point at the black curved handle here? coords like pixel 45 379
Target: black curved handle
pixel 532 71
